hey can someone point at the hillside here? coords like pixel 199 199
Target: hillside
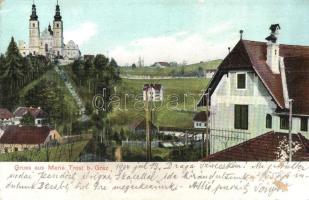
pixel 176 110
pixel 188 70
pixel 68 100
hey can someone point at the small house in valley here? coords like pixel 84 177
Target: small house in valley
pixel 153 92
pixel 21 138
pixel 139 127
pixel 161 64
pixel 6 117
pixel 39 116
pixel 199 120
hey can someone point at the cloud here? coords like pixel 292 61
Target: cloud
pixel 191 47
pixel 82 34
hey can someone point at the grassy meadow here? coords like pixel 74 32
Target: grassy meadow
pixel 188 70
pixel 176 110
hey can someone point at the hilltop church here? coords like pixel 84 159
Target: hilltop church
pixel 50 42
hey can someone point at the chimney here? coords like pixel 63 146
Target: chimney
pixel 241 33
pixel 272 59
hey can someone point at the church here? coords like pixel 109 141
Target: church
pixel 50 42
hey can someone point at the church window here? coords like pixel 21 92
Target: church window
pixel 57 25
pixel 33 25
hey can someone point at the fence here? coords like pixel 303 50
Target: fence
pixel 223 138
pixel 140 144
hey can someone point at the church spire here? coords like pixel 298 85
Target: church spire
pixel 57 16
pixel 33 16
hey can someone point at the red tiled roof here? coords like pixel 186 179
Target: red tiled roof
pixel 35 112
pixel 141 124
pixel 25 135
pixel 200 116
pixel 252 55
pixel 263 148
pixel 5 114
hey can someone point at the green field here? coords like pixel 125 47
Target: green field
pixel 176 110
pixel 188 70
pixel 61 153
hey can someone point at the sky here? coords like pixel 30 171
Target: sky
pixel 160 30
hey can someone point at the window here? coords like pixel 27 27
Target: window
pixel 304 124
pixel 268 121
pixel 284 122
pixel 241 117
pixel 241 81
pixel 33 25
pixel 57 25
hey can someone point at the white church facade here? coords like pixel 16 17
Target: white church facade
pixel 50 42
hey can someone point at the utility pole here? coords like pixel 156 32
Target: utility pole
pixel 290 128
pixel 148 136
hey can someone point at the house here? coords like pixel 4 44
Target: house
pixel 271 146
pixel 5 117
pixel 249 94
pixel 38 114
pixel 154 92
pixel 161 64
pixel 20 138
pixel 209 73
pixel 199 120
pixel 139 127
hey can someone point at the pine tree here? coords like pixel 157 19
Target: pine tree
pixel 13 67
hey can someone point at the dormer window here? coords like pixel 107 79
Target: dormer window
pixel 241 81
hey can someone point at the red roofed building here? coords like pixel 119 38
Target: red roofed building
pixel 5 117
pixel 39 115
pixel 154 92
pixel 271 146
pixel 19 138
pixel 199 120
pixel 250 92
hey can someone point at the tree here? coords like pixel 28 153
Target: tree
pixel 13 66
pixel 113 63
pixel 133 66
pixel 200 71
pixel 100 62
pixel 27 119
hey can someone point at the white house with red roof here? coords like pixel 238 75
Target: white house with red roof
pixel 6 117
pixel 38 114
pixel 249 94
pixel 153 92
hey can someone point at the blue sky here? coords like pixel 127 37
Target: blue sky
pixel 160 30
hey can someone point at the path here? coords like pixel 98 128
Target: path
pixel 142 77
pixel 63 75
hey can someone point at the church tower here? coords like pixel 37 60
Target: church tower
pixel 34 32
pixel 58 33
